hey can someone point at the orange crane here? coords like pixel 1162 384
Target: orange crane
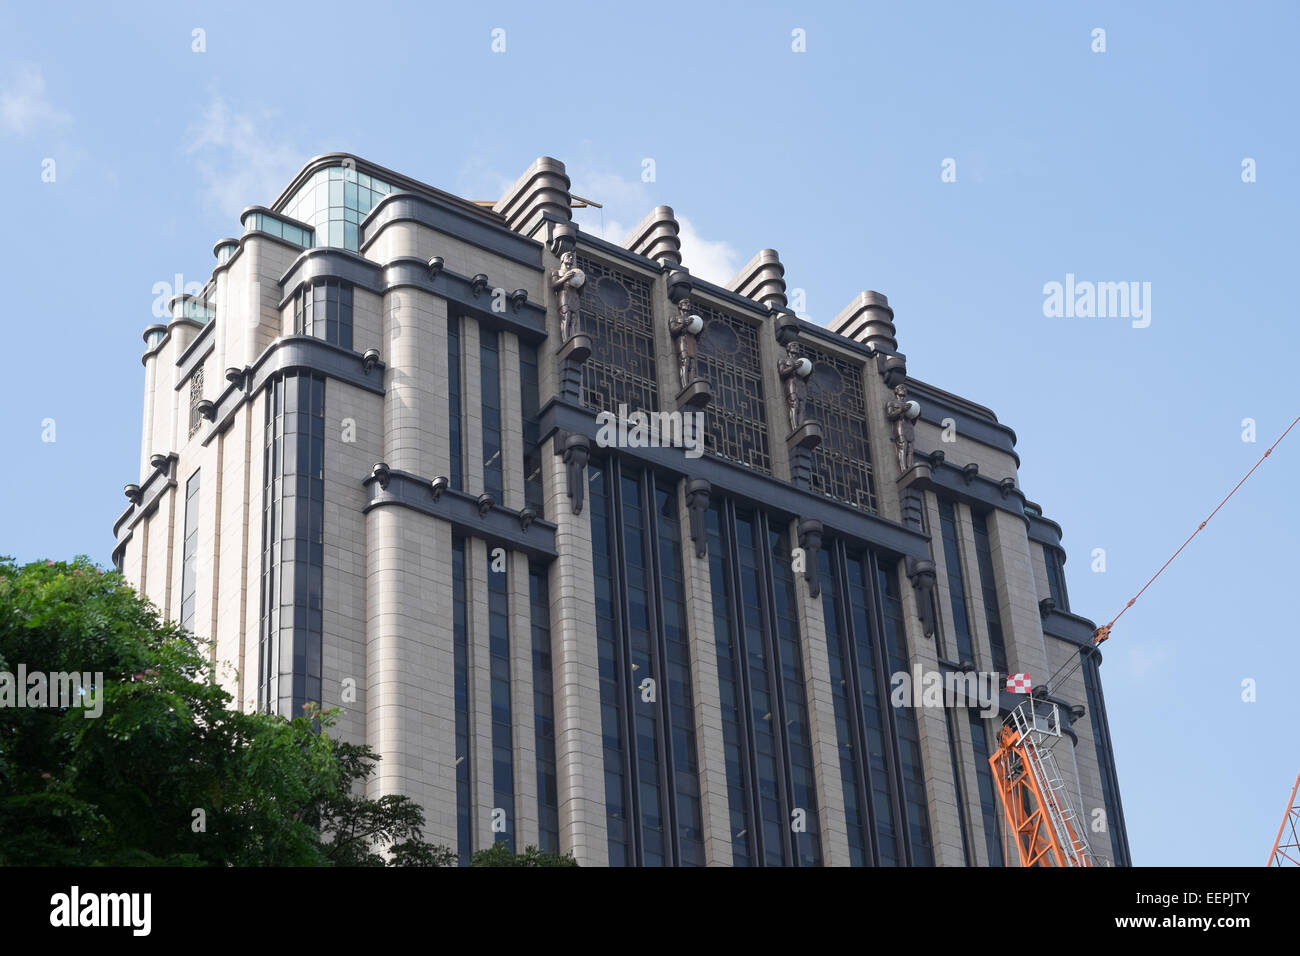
pixel 1288 853
pixel 1047 829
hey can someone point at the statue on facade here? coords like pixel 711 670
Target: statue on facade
pixel 685 328
pixel 903 413
pixel 794 370
pixel 567 283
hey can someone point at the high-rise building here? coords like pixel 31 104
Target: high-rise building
pixel 596 554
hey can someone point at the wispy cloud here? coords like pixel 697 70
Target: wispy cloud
pixel 242 159
pixel 24 105
pixel 626 202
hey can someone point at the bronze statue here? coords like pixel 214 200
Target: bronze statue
pixel 903 413
pixel 685 329
pixel 794 370
pixel 567 283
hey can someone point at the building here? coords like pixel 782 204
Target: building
pixel 374 470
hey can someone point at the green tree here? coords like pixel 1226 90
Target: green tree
pixel 500 855
pixel 168 774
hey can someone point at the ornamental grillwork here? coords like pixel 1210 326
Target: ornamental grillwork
pixel 729 360
pixel 841 464
pixel 618 317
pixel 196 396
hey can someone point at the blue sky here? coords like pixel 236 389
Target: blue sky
pixel 1122 166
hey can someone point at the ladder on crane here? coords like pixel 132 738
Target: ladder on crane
pixel 1046 827
pixel 1286 848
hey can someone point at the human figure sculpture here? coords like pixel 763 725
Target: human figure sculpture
pixel 685 330
pixel 567 283
pixel 794 371
pixel 902 414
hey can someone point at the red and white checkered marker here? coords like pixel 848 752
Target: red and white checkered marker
pixel 1018 684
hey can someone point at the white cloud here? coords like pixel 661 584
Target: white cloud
pixel 24 106
pixel 712 259
pixel 243 161
pixel 626 202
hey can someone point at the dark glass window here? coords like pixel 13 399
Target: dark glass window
pixel 189 563
pixel 490 371
pixel 845 737
pixel 956 582
pixel 677 672
pixel 1056 578
pixel 548 802
pixel 760 669
pixel 455 414
pixel 989 589
pixel 324 310
pixel 989 802
pixel 1115 828
pixel 803 779
pixel 729 358
pixel 503 773
pixel 530 402
pixel 460 628
pixel 861 712
pixel 293 544
pixel 647 702
pixel 909 739
pixel 732 697
pixel 618 316
pixel 612 682
pixel 841 464
pixel 959 792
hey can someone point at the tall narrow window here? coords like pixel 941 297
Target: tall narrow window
pixel 677 673
pixel 196 396
pixel 612 682
pixel 731 696
pixel 989 802
pixel 324 310
pixel 529 406
pixel 548 803
pixel 855 814
pixel 956 582
pixel 460 655
pixel 490 377
pixel 454 412
pixel 1115 828
pixel 189 563
pixel 293 544
pixel 503 773
pixel 798 732
pixel 909 738
pixel 989 589
pixel 1056 578
pixel 967 851
pixel 651 770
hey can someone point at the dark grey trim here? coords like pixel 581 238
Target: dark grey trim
pixel 279 216
pixel 292 353
pixel 528 321
pixel 392 177
pixel 1068 627
pixel 154 487
pixel 499 527
pixel 195 353
pixel 442 216
pixel 936 405
pixel 327 262
pixel 754 489
pixel 1045 531
pixel 985 491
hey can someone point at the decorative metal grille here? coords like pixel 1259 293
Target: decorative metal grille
pixel 618 316
pixel 729 359
pixel 196 396
pixel 841 465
